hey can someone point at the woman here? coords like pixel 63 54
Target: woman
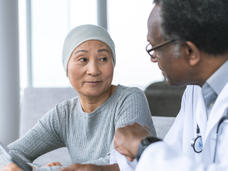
pixel 86 124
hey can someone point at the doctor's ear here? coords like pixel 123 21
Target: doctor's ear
pixel 192 53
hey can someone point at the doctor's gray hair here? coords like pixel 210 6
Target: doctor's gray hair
pixel 203 22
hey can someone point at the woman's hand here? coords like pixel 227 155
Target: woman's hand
pixel 81 167
pixel 91 167
pixel 11 167
pixel 53 164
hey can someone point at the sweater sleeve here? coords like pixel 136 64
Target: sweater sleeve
pixel 135 108
pixel 42 138
pixel 100 161
pixel 132 107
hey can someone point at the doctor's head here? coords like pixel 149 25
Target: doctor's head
pixel 188 38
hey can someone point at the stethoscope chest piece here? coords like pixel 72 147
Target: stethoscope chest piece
pixel 197 144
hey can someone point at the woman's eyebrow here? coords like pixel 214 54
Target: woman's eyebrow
pixel 103 50
pixel 79 51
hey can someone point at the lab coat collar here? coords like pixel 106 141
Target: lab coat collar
pixel 218 110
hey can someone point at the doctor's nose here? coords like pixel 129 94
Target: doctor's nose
pixel 154 57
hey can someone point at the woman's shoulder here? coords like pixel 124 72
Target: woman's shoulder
pixel 69 102
pixel 124 90
pixel 64 108
pixel 124 94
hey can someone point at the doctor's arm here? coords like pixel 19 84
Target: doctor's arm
pixel 162 157
pixel 167 155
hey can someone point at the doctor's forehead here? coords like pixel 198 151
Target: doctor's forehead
pixel 154 26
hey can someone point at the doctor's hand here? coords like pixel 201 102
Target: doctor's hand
pixel 127 139
pixel 11 167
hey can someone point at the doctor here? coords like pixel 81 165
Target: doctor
pixel 189 41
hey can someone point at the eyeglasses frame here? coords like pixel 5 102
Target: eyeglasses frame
pixel 160 45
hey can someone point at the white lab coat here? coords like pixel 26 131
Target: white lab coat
pixel 176 153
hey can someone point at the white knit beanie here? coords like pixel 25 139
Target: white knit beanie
pixel 81 34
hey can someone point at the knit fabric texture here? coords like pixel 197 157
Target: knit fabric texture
pixel 88 137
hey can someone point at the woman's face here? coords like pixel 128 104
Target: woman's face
pixel 90 68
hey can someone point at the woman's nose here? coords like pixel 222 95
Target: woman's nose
pixel 93 68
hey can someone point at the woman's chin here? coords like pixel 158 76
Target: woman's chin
pixel 92 93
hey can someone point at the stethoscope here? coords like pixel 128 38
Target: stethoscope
pixel 197 143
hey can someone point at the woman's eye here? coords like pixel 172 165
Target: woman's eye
pixel 103 59
pixel 82 59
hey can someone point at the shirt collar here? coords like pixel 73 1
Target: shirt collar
pixel 219 78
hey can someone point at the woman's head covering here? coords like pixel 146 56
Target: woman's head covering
pixel 81 34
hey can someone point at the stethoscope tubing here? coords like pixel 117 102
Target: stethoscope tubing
pixel 217 135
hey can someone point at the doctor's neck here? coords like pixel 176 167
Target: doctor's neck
pixel 207 66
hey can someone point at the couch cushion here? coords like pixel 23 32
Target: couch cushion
pixel 163 99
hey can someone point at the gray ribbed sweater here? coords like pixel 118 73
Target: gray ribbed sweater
pixel 88 137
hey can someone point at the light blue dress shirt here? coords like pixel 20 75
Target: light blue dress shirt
pixel 214 85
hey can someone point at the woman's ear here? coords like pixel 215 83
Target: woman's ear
pixel 193 53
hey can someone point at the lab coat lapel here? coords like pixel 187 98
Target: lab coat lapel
pixel 218 110
pixel 195 114
pixel 201 115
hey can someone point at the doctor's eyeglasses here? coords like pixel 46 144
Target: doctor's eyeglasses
pixel 150 49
